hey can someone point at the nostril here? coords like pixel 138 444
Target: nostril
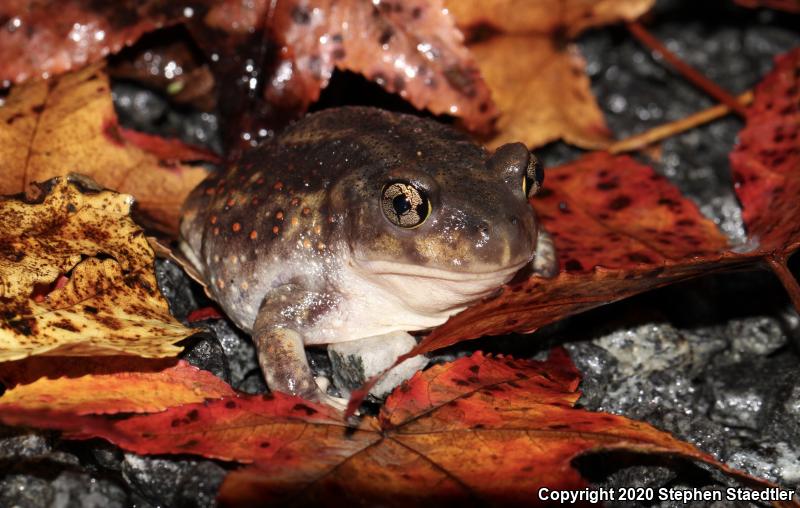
pixel 483 227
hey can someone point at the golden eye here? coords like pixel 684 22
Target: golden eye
pixel 404 204
pixel 534 177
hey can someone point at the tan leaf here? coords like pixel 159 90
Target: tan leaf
pixel 569 17
pixel 120 392
pixel 537 77
pixel 68 124
pixel 542 91
pixel 110 303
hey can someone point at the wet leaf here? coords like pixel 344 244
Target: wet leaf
pixel 125 391
pixel 781 5
pixel 537 77
pixel 766 160
pixel 106 301
pixel 68 124
pixel 412 48
pixel 478 429
pixel 35 42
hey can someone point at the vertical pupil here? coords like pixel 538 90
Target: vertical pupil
pixel 401 204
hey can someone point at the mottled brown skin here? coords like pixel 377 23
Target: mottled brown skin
pixel 297 250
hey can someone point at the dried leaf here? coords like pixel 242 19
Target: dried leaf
pixel 68 124
pixel 110 303
pixel 542 91
pixel 537 78
pixel 479 429
pixel 119 392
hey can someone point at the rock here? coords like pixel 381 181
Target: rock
pixel 253 383
pixel 25 491
pixel 80 490
pixel 238 348
pixel 18 445
pixel 34 475
pixel 356 361
pixel 759 336
pixel 176 287
pixel 166 482
pixel 205 352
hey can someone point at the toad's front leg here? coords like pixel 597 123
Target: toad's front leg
pixel 277 334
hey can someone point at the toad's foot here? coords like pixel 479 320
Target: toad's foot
pixel 322 396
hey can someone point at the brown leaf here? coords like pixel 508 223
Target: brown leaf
pixel 537 78
pixel 478 430
pixel 412 48
pixel 45 38
pixel 110 302
pixel 68 124
pixel 119 392
pixel 792 6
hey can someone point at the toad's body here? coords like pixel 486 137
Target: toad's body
pixel 356 222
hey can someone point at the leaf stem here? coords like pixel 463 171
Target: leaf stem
pixel 778 265
pixel 689 72
pixel 639 141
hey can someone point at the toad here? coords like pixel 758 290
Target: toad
pixel 356 222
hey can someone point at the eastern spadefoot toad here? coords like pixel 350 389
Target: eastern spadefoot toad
pixel 355 222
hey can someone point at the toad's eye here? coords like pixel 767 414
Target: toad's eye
pixel 405 204
pixel 534 177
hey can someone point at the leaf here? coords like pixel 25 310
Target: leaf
pixel 792 6
pixel 619 229
pixel 68 124
pixel 411 48
pixel 109 305
pixel 537 77
pixel 478 429
pixel 126 391
pixel 542 90
pixel 766 160
pixel 44 38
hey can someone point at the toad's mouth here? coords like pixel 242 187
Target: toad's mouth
pixel 430 294
pixel 394 268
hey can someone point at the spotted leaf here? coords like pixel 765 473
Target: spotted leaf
pixel 76 277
